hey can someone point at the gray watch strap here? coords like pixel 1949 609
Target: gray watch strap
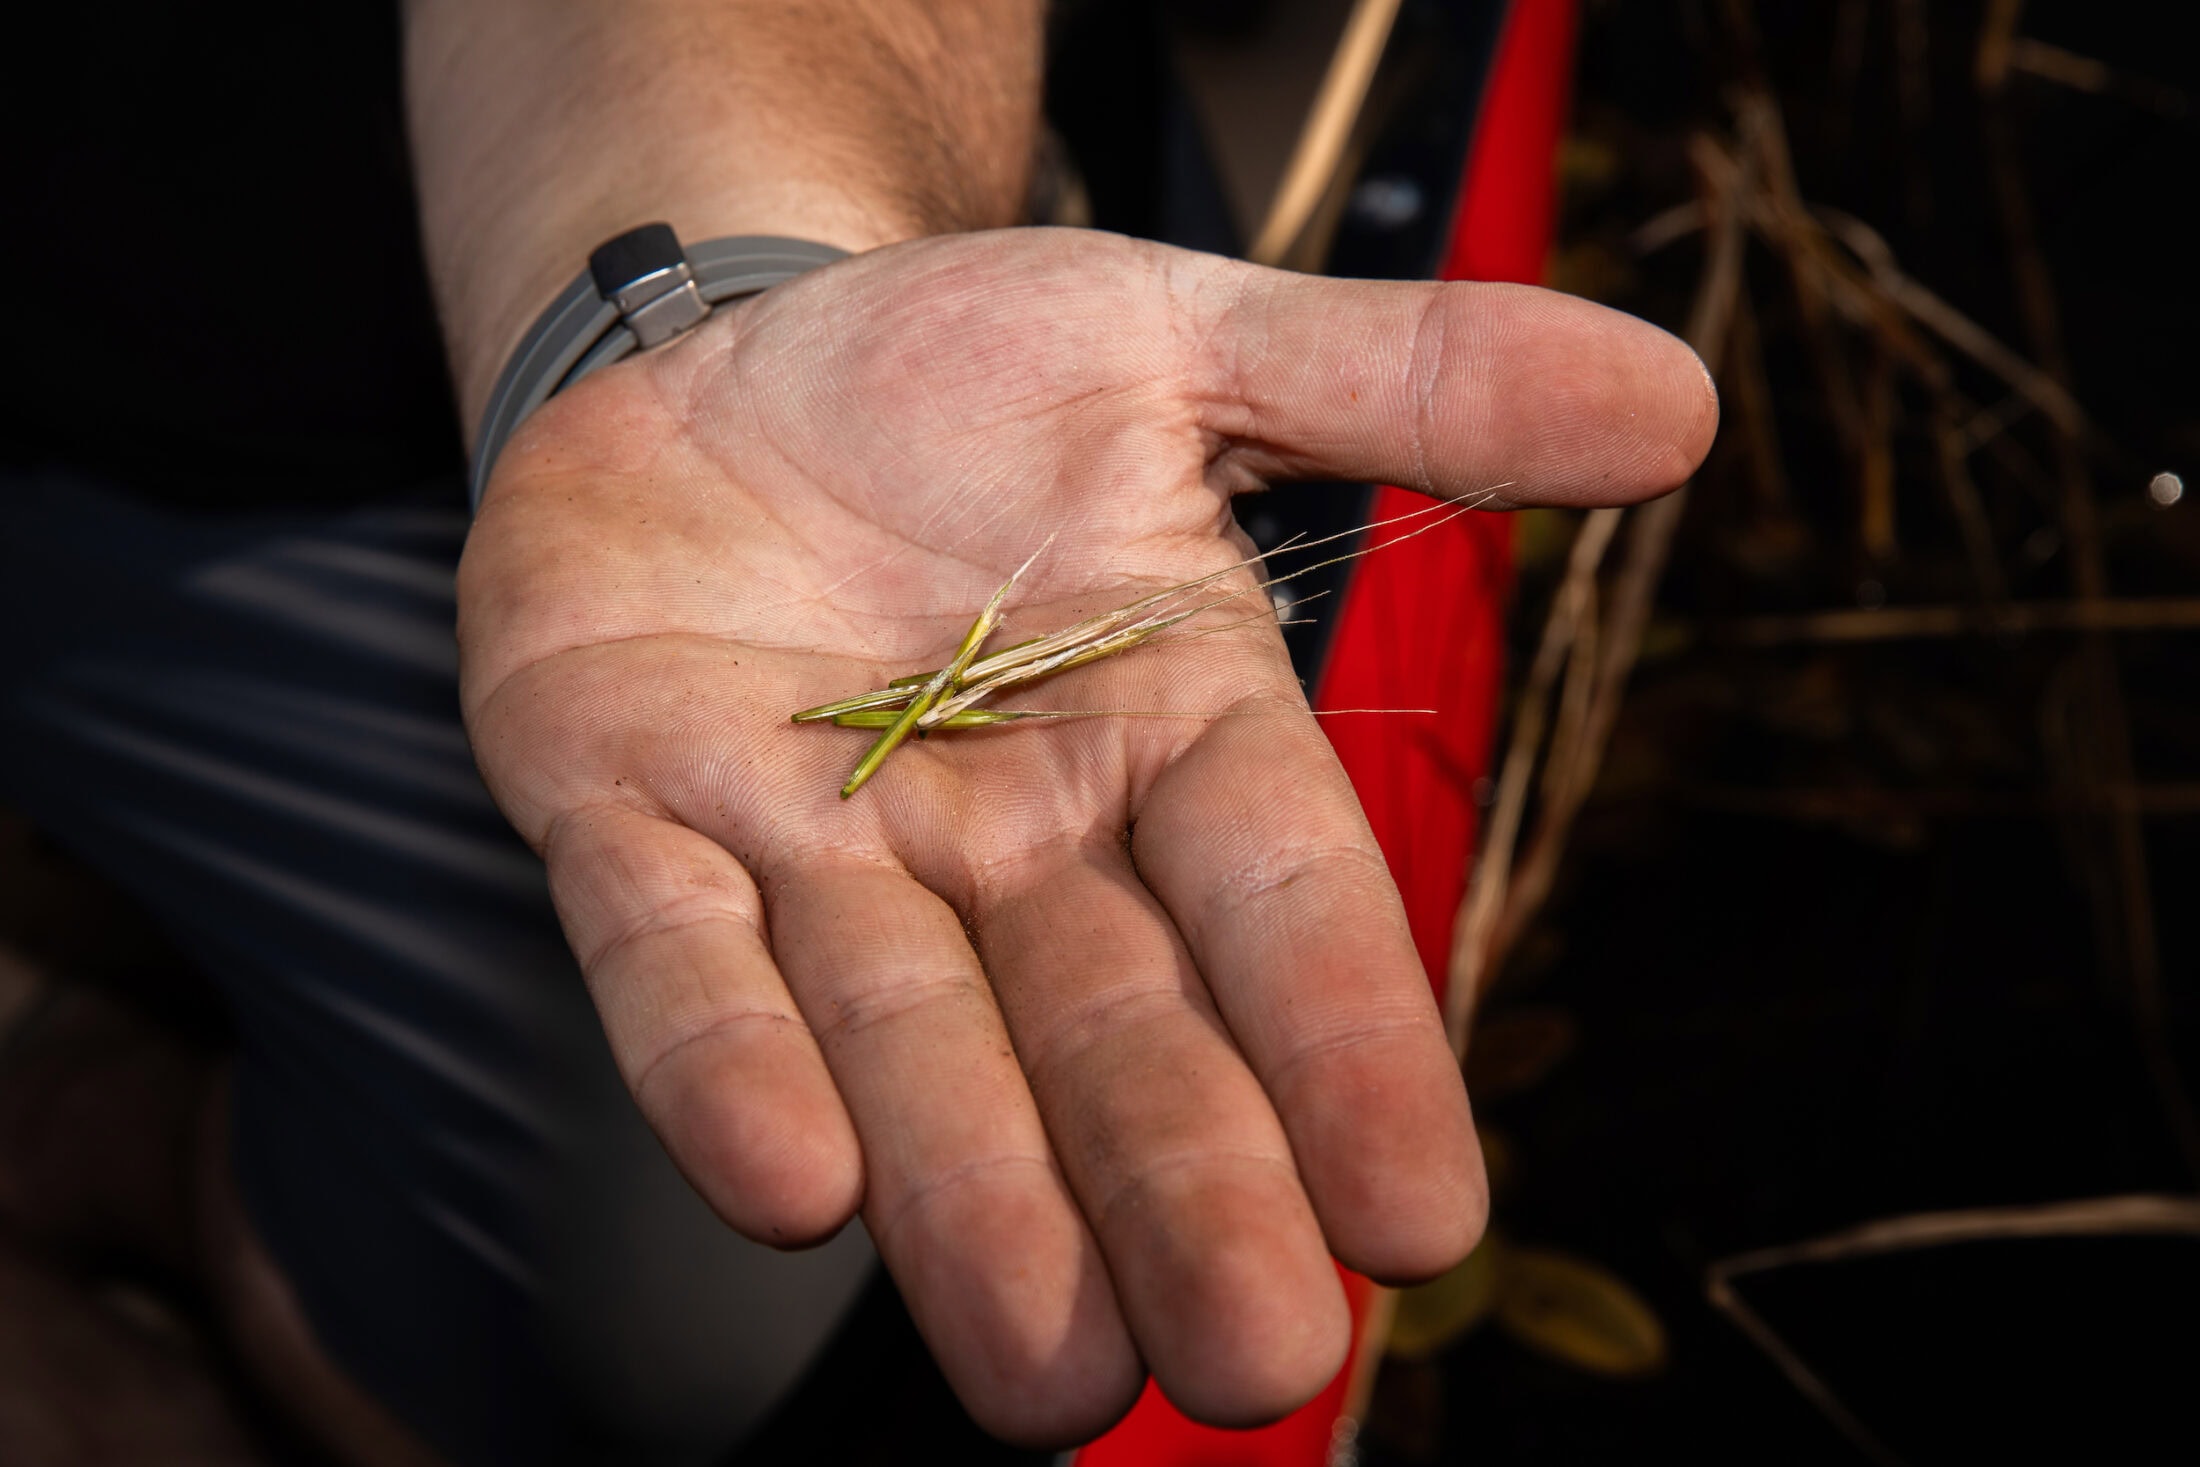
pixel 585 329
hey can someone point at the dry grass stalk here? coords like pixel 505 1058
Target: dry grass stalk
pixel 1842 265
pixel 1908 623
pixel 2110 1217
pixel 1486 892
pixel 2106 746
pixel 2044 388
pixel 1577 699
pixel 946 680
pixel 1843 271
pixel 1953 455
pixel 1501 896
pixel 1875 479
pixel 1850 805
pixel 948 697
pixel 1753 402
pixel 2086 74
pixel 1317 158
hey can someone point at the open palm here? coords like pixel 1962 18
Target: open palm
pixel 1111 1028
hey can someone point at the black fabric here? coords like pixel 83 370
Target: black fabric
pixel 215 288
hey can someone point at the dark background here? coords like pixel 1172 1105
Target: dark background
pixel 1832 938
pixel 1838 937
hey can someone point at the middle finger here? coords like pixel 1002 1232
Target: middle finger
pixel 962 1197
pixel 1166 1137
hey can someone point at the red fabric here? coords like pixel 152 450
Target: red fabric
pixel 1422 626
pixel 1507 200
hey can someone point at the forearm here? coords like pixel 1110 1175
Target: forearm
pixel 542 127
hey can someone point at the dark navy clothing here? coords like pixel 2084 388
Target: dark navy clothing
pixel 250 723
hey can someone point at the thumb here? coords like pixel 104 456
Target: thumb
pixel 1447 388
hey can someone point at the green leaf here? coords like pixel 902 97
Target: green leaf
pixel 1430 1316
pixel 1578 1313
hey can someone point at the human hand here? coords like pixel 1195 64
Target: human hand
pixel 1110 1028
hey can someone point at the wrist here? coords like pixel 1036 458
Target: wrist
pixel 539 131
pixel 486 330
pixel 643 288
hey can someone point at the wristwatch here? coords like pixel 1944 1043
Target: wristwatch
pixel 641 289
